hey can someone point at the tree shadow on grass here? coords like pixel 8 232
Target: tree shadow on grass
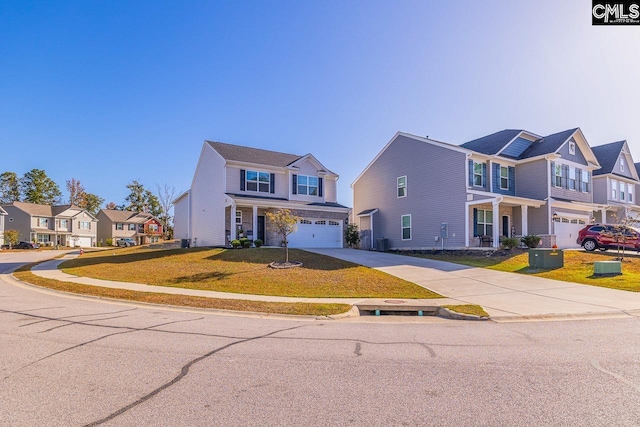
pixel 265 256
pixel 113 257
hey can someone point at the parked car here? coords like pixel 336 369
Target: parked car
pixel 126 242
pixel 607 236
pixel 26 245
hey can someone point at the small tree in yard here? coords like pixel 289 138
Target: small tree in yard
pixel 621 232
pixel 11 237
pixel 283 222
pixel 352 235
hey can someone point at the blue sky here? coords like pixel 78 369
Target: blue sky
pixel 107 92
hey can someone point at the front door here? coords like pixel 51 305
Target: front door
pixel 261 228
pixel 505 226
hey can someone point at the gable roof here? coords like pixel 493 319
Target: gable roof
pixel 492 144
pixel 548 144
pixel 607 156
pixel 115 215
pixel 3 212
pixel 43 210
pixel 258 156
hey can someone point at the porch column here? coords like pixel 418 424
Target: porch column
pixel 603 216
pixel 255 222
pixel 234 227
pixel 525 219
pixel 496 224
pixel 466 225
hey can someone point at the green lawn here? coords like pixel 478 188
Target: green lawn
pixel 244 271
pixel 578 266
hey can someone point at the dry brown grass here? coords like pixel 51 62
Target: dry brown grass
pixel 244 271
pixel 299 309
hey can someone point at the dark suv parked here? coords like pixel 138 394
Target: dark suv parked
pixel 26 245
pixel 605 236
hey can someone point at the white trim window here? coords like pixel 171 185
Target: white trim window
pixel 307 185
pixel 238 217
pixel 504 178
pixel 557 174
pixel 132 227
pixel 621 164
pixel 84 225
pixel 622 192
pixel 614 189
pixel 406 227
pixel 119 226
pixel 402 186
pixel 484 222
pixel 153 228
pixel 478 175
pixel 64 223
pixel 630 192
pixel 572 148
pixel 258 181
pixel 43 222
pixel 586 177
pixel 572 178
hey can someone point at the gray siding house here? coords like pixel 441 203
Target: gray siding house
pixel 142 227
pixel 234 186
pixel 3 213
pixel 615 183
pixel 423 194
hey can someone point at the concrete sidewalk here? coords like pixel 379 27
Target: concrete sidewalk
pixel 502 295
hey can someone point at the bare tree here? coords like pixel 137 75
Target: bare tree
pixel 167 195
pixel 76 191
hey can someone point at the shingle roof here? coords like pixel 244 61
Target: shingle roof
pixel 637 165
pixel 253 155
pixel 126 216
pixel 547 144
pixel 493 143
pixel 607 156
pixel 42 210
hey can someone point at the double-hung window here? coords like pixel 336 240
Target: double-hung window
pixel 484 222
pixel 504 178
pixel 258 181
pixel 119 226
pixel 572 178
pixel 557 174
pixel 239 217
pixel 84 225
pixel 614 189
pixel 477 174
pixel 132 227
pixel 308 185
pixel 43 222
pixel 64 223
pixel 585 181
pixel 406 227
pixel 630 192
pixel 153 228
pixel 402 186
pixel 623 186
pixel 621 164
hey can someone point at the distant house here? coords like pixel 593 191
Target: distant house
pixel 3 213
pixel 419 193
pixel 116 224
pixel 615 183
pixel 65 225
pixel 233 186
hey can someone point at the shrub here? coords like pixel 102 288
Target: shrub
pixel 242 240
pixel 235 243
pixel 352 235
pixel 510 242
pixel 531 240
pixel 258 243
pixel 109 242
pixel 246 244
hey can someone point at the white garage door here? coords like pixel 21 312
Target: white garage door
pixel 83 242
pixel 317 233
pixel 566 231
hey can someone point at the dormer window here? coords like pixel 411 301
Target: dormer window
pixel 572 148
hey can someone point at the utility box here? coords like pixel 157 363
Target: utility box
pixel 382 245
pixel 185 243
pixel 607 268
pixel 546 258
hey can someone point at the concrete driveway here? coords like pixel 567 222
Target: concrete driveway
pixel 503 295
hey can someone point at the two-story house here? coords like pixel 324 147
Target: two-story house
pixel 142 227
pixel 615 183
pixel 233 186
pixel 423 194
pixel 65 225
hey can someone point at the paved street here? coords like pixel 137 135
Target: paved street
pixel 69 361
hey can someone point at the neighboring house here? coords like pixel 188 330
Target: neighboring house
pixel 65 225
pixel 141 226
pixel 422 194
pixel 233 187
pixel 3 213
pixel 615 183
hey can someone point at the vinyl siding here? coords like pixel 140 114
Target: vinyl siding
pixel 539 220
pixel 576 158
pixel 330 190
pixel 105 227
pixel 532 180
pixel 21 222
pixel 308 168
pixel 233 182
pixel 75 226
pixel 601 191
pixel 208 200
pixel 567 194
pixel 181 218
pixel 627 166
pixel 436 183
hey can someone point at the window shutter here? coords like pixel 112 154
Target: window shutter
pixel 496 177
pixel 242 179
pixel 470 173
pixel 272 183
pixel 320 187
pixel 553 174
pixel 294 184
pixel 484 174
pixel 475 222
pixel 512 180
pixel 565 176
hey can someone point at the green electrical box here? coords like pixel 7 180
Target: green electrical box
pixel 546 258
pixel 607 268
